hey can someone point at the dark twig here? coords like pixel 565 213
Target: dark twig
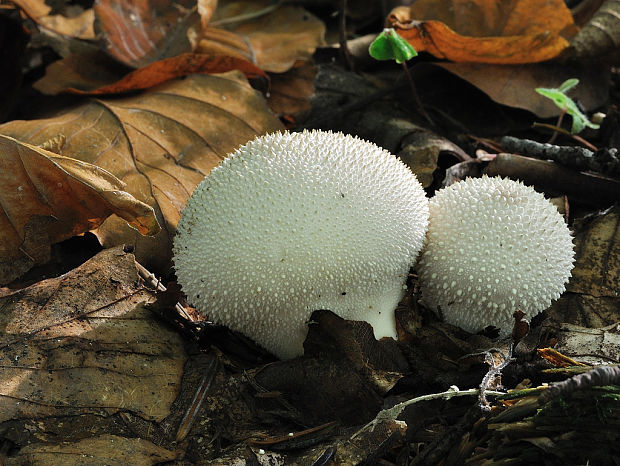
pixel 604 161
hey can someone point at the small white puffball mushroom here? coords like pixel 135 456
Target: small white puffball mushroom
pixel 493 246
pixel 291 223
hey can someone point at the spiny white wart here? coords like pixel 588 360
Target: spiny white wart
pixel 493 246
pixel 291 223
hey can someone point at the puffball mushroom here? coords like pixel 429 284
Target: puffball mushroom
pixel 493 246
pixel 291 223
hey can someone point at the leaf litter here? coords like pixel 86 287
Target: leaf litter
pixel 240 406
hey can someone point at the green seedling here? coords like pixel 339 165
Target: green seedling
pixel 567 105
pixel 390 46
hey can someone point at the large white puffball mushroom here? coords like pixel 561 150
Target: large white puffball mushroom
pixel 493 246
pixel 291 223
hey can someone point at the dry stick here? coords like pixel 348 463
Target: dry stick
pixel 605 161
pixel 414 92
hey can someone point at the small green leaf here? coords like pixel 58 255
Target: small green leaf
pixel 568 105
pixel 568 85
pixel 390 46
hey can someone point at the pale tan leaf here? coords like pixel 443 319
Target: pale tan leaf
pixel 161 144
pixel 46 198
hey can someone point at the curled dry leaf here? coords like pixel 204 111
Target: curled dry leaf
pixel 161 144
pixel 47 198
pixel 486 31
pixel 79 349
pixel 147 77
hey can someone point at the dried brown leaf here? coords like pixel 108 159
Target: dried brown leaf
pixel 290 92
pixel 139 32
pixel 273 41
pixel 46 198
pixel 103 449
pixel 486 31
pixel 161 144
pixel 81 348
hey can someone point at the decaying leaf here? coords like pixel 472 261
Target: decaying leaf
pixel 597 266
pixel 140 32
pixel 486 31
pixel 46 198
pixel 161 144
pixel 78 349
pixel 273 41
pixel 88 74
pixel 290 92
pixel 592 346
pixel 103 449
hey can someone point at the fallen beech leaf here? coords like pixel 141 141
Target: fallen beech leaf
pixel 274 41
pixel 161 144
pixel 486 31
pixel 170 68
pixel 139 32
pixel 77 350
pixel 47 198
pixel 103 449
pixel 79 27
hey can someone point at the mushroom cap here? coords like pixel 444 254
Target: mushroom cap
pixel 291 223
pixel 493 246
